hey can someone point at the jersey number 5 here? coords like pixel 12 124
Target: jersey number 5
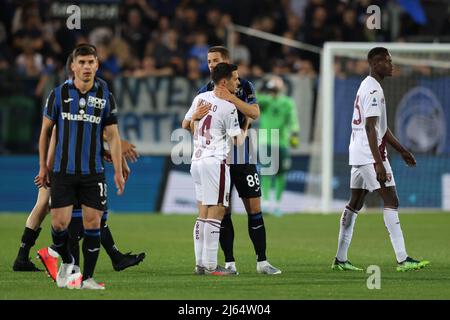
pixel 357 107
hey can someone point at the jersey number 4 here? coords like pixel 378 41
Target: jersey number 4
pixel 204 129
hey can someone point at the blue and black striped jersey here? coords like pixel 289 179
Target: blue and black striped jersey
pixel 245 92
pixel 80 120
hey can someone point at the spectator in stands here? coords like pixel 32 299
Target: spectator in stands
pixel 240 51
pixel 169 53
pixel 261 51
pixel 149 14
pixel 186 23
pixel 243 69
pixel 317 33
pixel 199 51
pixel 213 17
pixel 221 30
pixel 164 26
pixel 135 33
pixel 193 69
pixel 148 69
pixel 30 34
pixel 351 29
pixel 109 67
pixel 294 26
pixel 29 63
pixel 304 68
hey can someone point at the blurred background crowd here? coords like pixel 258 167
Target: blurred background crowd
pixel 167 37
pixel 142 38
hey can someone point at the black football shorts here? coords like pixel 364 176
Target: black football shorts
pixel 245 178
pixel 87 189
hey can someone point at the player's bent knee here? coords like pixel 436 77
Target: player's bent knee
pixel 59 225
pixel 393 204
pixel 392 201
pixel 354 205
pixel 252 205
pixel 91 225
pixel 91 221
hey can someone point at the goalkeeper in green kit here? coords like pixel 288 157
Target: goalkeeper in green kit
pixel 278 112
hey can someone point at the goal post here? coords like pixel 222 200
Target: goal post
pixel 423 62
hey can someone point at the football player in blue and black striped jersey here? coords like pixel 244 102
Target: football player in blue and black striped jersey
pixel 80 108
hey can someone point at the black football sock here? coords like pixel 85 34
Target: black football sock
pixel 61 244
pixel 108 242
pixel 257 232
pixel 91 249
pixel 227 237
pixel 75 234
pixel 29 237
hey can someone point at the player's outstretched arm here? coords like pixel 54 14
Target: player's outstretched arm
pixel 113 139
pixel 373 144
pixel 249 110
pixel 406 155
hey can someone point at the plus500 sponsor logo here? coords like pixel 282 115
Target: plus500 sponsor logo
pixel 81 117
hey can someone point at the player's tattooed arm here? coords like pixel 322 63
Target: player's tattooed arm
pixel 373 144
pixel 407 156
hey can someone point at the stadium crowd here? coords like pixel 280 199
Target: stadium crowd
pixel 157 37
pixel 171 37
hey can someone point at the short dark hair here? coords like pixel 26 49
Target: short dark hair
pixel 84 49
pixel 222 50
pixel 377 51
pixel 222 71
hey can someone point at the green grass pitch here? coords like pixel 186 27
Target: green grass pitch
pixel 303 246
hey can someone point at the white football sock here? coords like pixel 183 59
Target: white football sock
pixel 348 219
pixel 230 265
pixel 261 264
pixel 198 241
pixel 211 236
pixel 392 222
